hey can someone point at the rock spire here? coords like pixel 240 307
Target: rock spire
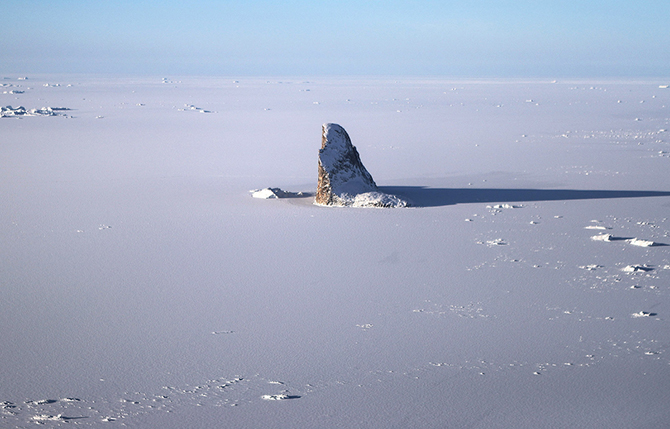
pixel 343 180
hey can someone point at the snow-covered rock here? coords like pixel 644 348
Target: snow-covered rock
pixel 343 179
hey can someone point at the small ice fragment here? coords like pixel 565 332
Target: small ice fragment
pixel 596 227
pixel 43 401
pixel 641 243
pixel 643 314
pixel 278 397
pixel 591 267
pixel 47 417
pixel 636 268
pixel 602 237
pixel 503 206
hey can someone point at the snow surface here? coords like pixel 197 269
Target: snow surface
pixel 129 239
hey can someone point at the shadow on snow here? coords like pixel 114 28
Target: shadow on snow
pixel 422 196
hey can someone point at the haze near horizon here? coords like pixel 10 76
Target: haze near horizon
pixel 392 38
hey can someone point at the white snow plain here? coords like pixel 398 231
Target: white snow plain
pixel 142 286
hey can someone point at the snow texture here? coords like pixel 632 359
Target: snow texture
pixel 143 287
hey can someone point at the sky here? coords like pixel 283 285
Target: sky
pixel 474 38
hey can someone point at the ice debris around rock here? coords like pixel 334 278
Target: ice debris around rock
pixel 274 193
pixel 369 199
pixel 9 111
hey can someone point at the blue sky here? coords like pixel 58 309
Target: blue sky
pixel 469 38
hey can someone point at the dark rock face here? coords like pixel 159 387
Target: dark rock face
pixel 341 172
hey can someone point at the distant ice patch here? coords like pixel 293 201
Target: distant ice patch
pixel 9 111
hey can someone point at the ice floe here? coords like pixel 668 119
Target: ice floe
pixel 274 193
